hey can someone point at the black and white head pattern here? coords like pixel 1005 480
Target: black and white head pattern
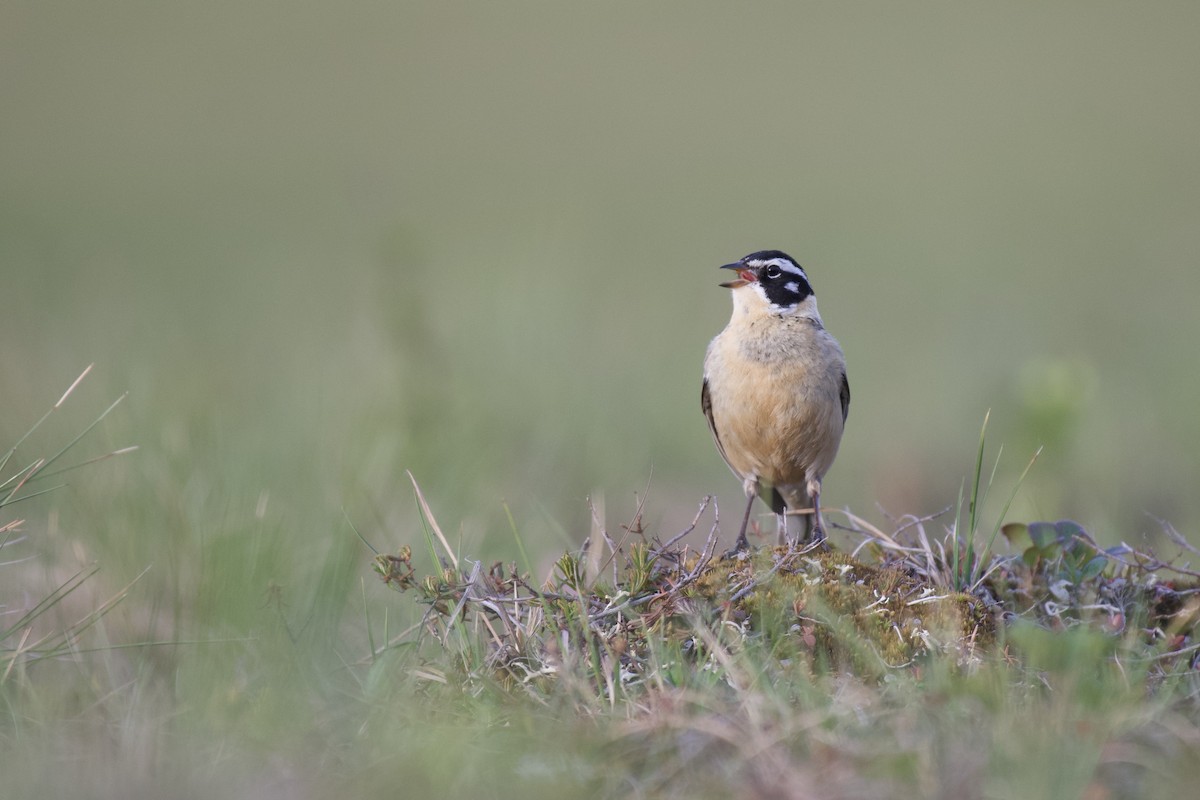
pixel 781 280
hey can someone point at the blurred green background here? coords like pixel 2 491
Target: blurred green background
pixel 321 244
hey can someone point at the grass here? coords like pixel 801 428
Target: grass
pixel 966 567
pixel 675 672
pixel 24 637
pixel 902 661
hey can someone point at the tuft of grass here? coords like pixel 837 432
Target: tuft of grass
pixel 967 564
pixel 21 640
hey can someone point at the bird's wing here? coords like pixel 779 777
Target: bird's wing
pixel 706 407
pixel 844 395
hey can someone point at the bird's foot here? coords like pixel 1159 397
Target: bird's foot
pixel 813 541
pixel 740 548
pixel 817 539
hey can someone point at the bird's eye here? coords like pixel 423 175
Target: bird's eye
pixel 773 271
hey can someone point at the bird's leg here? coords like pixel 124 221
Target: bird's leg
pixel 781 523
pixel 816 526
pixel 743 544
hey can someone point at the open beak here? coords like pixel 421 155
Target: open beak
pixel 745 276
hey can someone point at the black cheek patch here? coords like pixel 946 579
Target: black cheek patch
pixel 779 293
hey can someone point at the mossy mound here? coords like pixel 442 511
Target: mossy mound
pixel 623 614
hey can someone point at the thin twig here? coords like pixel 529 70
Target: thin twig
pixel 1169 530
pixel 695 521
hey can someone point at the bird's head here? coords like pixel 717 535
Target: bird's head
pixel 770 281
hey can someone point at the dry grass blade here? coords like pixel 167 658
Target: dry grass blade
pixel 596 540
pixel 76 382
pixel 84 432
pixel 468 591
pixel 22 477
pixel 427 514
pixel 1169 531
pixel 95 460
pixel 12 450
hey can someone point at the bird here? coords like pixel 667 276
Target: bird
pixel 775 392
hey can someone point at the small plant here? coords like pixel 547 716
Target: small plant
pixel 968 565
pixel 1062 547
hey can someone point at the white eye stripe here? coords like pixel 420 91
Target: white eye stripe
pixel 788 266
pixel 783 264
pixel 792 286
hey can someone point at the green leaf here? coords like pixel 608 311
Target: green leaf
pixel 1017 534
pixel 1094 567
pixel 1042 534
pixel 1069 531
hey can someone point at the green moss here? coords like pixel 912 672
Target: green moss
pixel 844 613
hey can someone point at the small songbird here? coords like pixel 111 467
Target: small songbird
pixel 775 391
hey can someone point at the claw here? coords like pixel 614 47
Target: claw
pixel 734 554
pixel 742 545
